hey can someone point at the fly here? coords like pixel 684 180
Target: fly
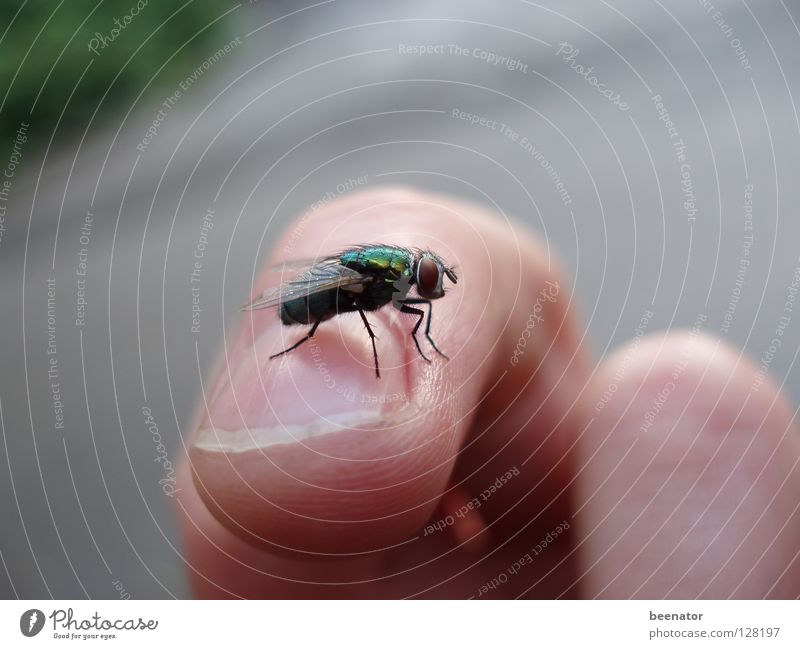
pixel 361 278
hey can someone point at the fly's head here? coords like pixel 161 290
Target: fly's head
pixel 428 275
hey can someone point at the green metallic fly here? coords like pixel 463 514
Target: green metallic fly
pixel 361 278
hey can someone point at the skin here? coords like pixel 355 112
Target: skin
pixel 307 477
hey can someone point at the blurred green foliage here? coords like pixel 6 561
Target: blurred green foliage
pixel 45 50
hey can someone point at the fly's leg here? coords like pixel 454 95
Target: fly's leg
pixel 372 338
pixel 410 309
pixel 309 335
pixel 427 324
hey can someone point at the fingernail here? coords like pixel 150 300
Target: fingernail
pixel 325 385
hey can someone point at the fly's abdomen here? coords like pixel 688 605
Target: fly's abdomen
pixel 310 309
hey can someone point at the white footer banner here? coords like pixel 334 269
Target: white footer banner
pixel 148 623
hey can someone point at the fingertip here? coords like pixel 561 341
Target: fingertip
pixel 311 453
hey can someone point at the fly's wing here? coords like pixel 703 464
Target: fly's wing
pixel 320 277
pixel 298 264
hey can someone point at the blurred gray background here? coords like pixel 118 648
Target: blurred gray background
pixel 311 96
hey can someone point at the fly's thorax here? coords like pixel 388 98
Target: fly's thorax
pixel 395 262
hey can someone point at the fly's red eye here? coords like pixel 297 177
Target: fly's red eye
pixel 428 276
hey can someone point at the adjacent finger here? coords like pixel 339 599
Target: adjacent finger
pixel 690 476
